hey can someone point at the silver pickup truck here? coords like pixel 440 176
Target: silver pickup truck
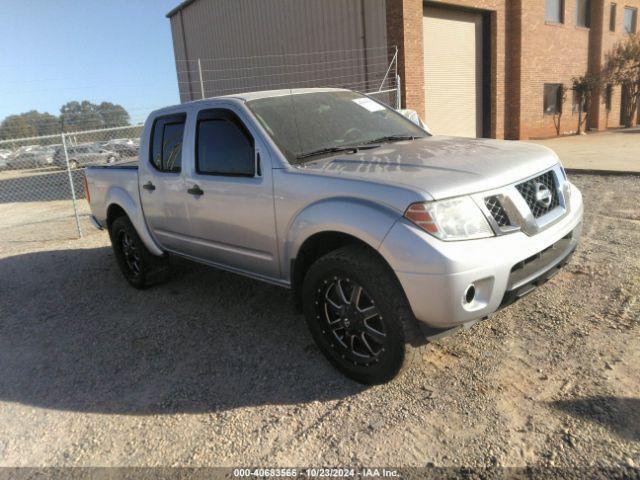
pixel 387 236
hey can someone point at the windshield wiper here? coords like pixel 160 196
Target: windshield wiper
pixel 392 138
pixel 352 149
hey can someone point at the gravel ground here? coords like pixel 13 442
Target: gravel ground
pixel 215 369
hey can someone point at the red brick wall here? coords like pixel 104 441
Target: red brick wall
pixel 550 54
pixel 404 28
pixel 601 118
pixel 526 53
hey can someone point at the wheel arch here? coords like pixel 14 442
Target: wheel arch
pixel 120 203
pixel 319 245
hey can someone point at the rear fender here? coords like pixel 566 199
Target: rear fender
pixel 122 198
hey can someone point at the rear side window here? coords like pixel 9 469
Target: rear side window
pixel 224 146
pixel 166 147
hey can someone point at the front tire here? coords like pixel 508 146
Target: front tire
pixel 138 265
pixel 359 316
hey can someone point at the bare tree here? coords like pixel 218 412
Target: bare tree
pixel 557 117
pixel 622 67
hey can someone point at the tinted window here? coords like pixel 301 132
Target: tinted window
pixel 172 147
pixel 224 146
pixel 552 98
pixel 166 148
pixel 554 10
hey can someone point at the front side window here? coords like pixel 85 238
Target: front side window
pixel 304 125
pixel 613 11
pixel 552 98
pixel 630 20
pixel 583 13
pixel 223 145
pixel 554 11
pixel 166 146
pixel 608 97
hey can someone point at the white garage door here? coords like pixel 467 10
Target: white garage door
pixel 453 71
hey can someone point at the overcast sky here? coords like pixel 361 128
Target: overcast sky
pixel 53 51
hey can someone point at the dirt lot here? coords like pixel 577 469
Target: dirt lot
pixel 215 369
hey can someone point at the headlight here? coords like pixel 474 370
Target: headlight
pixel 455 219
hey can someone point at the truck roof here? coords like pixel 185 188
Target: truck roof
pixel 248 96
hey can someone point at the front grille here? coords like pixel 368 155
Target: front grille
pixel 529 189
pixel 497 211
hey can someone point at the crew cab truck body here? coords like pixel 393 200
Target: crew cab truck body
pixel 386 235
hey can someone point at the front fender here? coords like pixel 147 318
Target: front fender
pixel 121 197
pixel 367 221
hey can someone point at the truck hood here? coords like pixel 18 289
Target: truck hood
pixel 442 166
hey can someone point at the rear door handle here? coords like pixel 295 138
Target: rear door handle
pixel 195 190
pixel 149 186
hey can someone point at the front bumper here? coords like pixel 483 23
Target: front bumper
pixel 435 275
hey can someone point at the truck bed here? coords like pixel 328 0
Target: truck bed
pixel 131 164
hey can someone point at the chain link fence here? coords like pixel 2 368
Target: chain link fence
pixel 42 193
pixel 41 180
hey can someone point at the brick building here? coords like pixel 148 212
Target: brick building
pixel 496 68
pixel 479 68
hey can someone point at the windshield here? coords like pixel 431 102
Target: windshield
pixel 308 124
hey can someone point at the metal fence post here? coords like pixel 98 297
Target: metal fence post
pixel 398 93
pixel 201 80
pixel 73 189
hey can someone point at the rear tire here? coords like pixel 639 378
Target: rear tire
pixel 359 316
pixel 138 265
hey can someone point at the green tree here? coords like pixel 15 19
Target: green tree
pixel 583 88
pixel 74 116
pixel 622 67
pixel 16 126
pixel 29 124
pixel 83 115
pixel 113 115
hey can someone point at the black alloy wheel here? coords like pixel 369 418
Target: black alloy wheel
pixel 350 320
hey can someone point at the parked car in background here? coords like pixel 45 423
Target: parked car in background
pixel 386 235
pixel 125 150
pixel 83 155
pixel 32 158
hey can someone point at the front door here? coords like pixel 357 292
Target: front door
pixel 230 196
pixel 161 183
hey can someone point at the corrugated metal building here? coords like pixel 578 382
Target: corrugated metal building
pixel 227 46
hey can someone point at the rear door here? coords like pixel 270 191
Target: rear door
pixel 162 184
pixel 229 194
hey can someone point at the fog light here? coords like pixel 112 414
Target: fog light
pixel 470 293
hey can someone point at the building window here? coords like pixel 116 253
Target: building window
pixel 608 95
pixel 583 13
pixel 552 98
pixel 575 106
pixel 613 10
pixel 554 11
pixel 630 20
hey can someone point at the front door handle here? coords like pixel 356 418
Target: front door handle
pixel 149 186
pixel 195 190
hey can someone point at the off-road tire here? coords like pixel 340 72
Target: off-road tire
pixel 150 270
pixel 362 267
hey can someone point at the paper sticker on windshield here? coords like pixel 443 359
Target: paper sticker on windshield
pixel 368 104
